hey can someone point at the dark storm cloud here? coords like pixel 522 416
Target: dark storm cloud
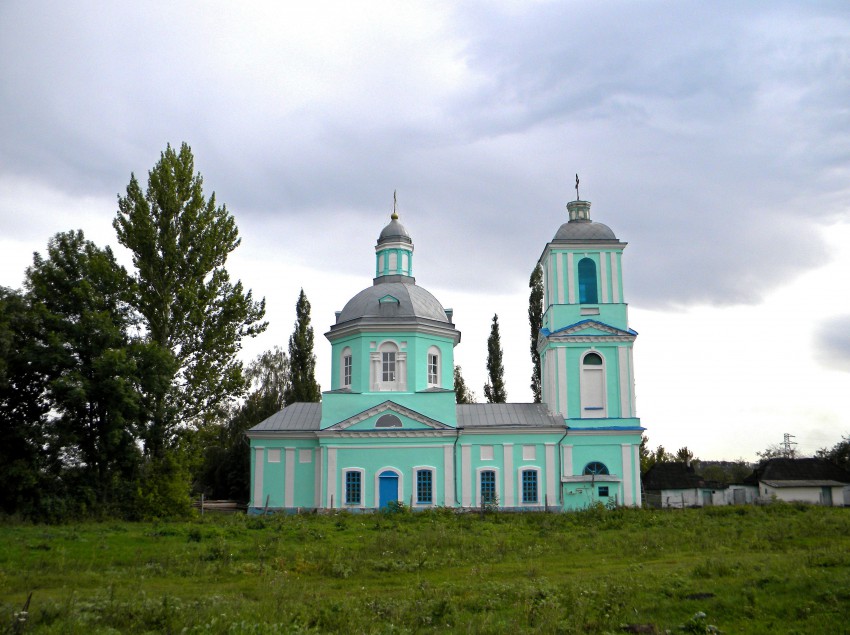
pixel 832 343
pixel 712 137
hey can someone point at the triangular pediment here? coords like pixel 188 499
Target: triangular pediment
pixel 591 328
pixel 388 416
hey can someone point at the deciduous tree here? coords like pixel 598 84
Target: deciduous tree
pixel 191 311
pixel 79 293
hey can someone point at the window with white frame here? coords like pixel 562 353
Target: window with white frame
pixel 487 485
pixel 433 366
pixel 353 487
pixel 388 367
pixel 593 386
pixel 346 367
pixel 529 486
pixel 425 487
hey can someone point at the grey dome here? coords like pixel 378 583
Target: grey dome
pixel 413 302
pixel 584 230
pixel 394 231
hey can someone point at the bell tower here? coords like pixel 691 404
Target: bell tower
pixel 585 344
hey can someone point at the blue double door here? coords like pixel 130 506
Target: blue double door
pixel 387 488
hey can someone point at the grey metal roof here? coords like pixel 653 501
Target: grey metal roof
pixel 394 231
pixel 584 230
pixel 413 302
pixel 528 415
pixel 295 417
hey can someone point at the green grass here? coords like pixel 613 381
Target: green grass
pixel 776 569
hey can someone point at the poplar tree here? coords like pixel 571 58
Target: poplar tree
pixel 462 393
pixel 194 318
pixel 535 320
pixel 302 362
pixel 494 389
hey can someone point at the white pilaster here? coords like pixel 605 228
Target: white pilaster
pixel 603 275
pixel 259 463
pixel 466 477
pixel 508 454
pixel 615 276
pixel 568 460
pixel 551 267
pixel 623 367
pixel 289 478
pixel 449 476
pixel 571 285
pixel 550 474
pixel 632 381
pixel 333 499
pixel 636 464
pixel 562 381
pixel 317 477
pixel 628 475
pixel 559 263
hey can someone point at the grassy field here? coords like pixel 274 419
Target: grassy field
pixel 775 569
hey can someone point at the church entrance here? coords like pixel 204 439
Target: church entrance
pixel 387 488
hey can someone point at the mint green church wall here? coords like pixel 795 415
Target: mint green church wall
pixel 417 345
pixel 402 456
pixel 287 476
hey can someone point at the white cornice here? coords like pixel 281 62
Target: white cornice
pixel 414 326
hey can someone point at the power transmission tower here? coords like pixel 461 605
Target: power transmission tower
pixel 787 445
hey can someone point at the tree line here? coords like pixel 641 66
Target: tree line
pixel 121 390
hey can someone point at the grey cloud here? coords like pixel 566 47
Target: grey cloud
pixel 832 343
pixel 713 137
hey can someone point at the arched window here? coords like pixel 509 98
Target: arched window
pixel 345 367
pixel 593 386
pixel 433 366
pixel 388 421
pixel 388 368
pixel 595 468
pixel 587 281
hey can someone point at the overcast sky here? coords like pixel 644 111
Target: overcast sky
pixel 714 138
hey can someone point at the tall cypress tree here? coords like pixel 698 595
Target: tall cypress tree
pixel 302 361
pixel 535 320
pixel 494 389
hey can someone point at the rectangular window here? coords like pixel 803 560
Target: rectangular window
pixel 424 487
pixel 488 487
pixel 432 369
pixel 388 366
pixel 346 370
pixel 529 452
pixel 529 486
pixel 603 490
pixel 274 456
pixel 486 452
pixel 352 488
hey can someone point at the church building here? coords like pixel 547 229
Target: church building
pixel 390 430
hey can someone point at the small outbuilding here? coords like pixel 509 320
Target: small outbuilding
pixel 678 485
pixel 812 480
